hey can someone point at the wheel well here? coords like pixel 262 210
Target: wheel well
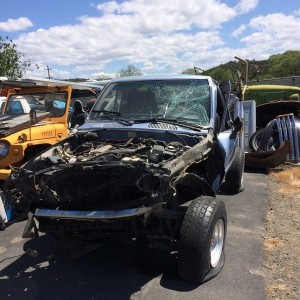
pixel 191 186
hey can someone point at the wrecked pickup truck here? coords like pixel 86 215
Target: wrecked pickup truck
pixel 145 167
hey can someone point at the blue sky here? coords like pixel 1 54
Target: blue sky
pixel 93 39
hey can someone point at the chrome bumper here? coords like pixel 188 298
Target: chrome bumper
pixel 90 215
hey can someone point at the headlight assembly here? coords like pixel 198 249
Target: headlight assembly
pixel 4 147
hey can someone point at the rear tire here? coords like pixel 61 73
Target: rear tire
pixel 202 239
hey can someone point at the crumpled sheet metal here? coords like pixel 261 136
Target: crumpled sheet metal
pixel 269 159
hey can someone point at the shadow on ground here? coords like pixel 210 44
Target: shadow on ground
pixel 114 271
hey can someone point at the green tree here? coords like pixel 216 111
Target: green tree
pixel 193 71
pixel 286 64
pixel 277 65
pixel 130 70
pixel 12 62
pixel 190 71
pixel 220 74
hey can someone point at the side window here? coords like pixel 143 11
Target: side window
pixel 110 101
pixel 55 103
pixel 223 113
pixel 14 107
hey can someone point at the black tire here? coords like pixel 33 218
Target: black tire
pixel 234 177
pixel 255 139
pixel 194 245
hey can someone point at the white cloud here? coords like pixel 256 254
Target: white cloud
pixel 239 31
pixel 297 12
pixel 15 24
pixel 246 6
pixel 159 36
pixel 138 32
pixel 274 33
pixel 166 16
pixel 109 7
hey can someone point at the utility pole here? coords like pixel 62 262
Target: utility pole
pixel 48 70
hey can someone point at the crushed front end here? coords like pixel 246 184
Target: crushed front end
pixel 136 188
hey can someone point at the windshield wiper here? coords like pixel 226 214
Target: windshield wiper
pixel 114 115
pixel 171 121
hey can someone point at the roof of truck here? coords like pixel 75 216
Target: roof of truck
pixel 159 77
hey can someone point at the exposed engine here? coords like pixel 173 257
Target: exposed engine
pixel 135 150
pixel 87 173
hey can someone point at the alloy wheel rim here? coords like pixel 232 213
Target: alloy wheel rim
pixel 216 243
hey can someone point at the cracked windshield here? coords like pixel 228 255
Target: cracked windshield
pixel 178 100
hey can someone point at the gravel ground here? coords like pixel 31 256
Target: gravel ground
pixel 282 240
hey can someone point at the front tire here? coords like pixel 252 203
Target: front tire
pixel 202 239
pixel 234 177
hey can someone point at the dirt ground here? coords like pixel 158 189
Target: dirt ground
pixel 282 240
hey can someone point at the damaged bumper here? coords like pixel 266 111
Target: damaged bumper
pixel 60 219
pixel 90 215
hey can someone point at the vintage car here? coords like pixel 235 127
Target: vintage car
pixel 145 168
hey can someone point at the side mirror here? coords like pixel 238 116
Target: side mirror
pixel 32 117
pixel 237 126
pixel 80 119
